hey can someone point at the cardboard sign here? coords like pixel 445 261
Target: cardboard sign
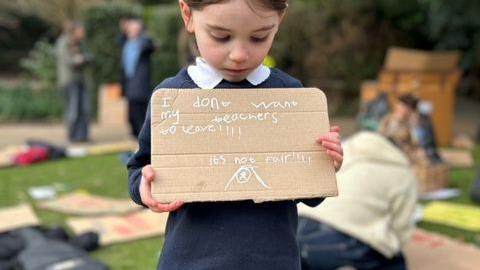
pixel 80 203
pixel 465 217
pixel 457 158
pixel 16 217
pixel 430 251
pixel 238 144
pixel 118 229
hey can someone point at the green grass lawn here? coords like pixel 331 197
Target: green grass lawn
pixel 462 179
pixel 100 175
pixel 104 175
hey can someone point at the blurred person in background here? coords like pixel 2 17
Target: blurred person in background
pixel 71 61
pixel 367 225
pixel 137 48
pixel 400 126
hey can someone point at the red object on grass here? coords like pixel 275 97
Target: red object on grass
pixel 32 155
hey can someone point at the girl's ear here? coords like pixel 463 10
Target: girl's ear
pixel 186 15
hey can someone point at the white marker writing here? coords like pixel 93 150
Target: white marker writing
pixel 288 158
pixel 171 114
pixel 210 102
pixel 165 103
pixel 191 129
pixel 275 105
pixel 244 160
pixel 229 118
pixel 171 130
pixel 217 160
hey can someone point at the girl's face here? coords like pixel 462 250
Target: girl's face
pixel 231 37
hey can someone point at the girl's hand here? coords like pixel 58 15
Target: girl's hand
pixel 331 142
pixel 148 174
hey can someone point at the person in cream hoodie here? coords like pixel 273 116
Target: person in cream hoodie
pixel 366 226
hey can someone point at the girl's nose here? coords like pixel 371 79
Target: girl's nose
pixel 238 53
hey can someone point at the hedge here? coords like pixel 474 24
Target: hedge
pixel 23 104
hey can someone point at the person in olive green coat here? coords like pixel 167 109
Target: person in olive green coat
pixel 71 61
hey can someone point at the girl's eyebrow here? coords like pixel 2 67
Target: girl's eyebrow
pixel 220 28
pixel 216 27
pixel 265 28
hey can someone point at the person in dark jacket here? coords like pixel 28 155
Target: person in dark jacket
pixel 137 48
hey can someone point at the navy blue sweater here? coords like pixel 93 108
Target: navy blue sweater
pixel 224 235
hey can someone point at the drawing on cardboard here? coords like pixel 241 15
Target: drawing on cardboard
pixel 243 176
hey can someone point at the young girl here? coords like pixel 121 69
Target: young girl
pixel 233 38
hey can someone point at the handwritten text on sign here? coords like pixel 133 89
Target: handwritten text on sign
pixel 236 144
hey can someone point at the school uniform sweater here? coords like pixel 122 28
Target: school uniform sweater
pixel 224 235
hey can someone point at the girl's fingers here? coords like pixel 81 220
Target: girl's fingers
pixel 335 156
pixel 337 165
pixel 146 195
pixel 167 207
pixel 335 129
pixel 329 137
pixel 333 147
pixel 148 173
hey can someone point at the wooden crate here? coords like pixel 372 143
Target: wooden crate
pixel 405 59
pixel 431 177
pixel 369 91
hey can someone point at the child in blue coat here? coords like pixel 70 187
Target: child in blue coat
pixel 233 38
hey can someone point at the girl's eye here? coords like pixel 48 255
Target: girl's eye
pixel 221 38
pixel 259 39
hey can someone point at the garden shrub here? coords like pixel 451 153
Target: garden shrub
pixel 41 64
pixel 21 103
pixel 164 23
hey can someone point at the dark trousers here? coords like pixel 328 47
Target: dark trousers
pixel 322 247
pixel 77 112
pixel 136 115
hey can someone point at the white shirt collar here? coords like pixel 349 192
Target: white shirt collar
pixel 205 77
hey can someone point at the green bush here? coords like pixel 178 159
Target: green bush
pixel 23 104
pixel 330 49
pixel 347 40
pixel 102 25
pixel 41 64
pixel 18 34
pixel 163 23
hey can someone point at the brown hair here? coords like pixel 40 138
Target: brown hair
pixel 277 5
pixel 409 100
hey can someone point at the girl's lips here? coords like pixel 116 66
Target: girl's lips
pixel 236 70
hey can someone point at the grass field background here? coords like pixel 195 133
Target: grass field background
pixel 105 175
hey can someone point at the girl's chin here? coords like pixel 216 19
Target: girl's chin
pixel 235 76
pixel 231 78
